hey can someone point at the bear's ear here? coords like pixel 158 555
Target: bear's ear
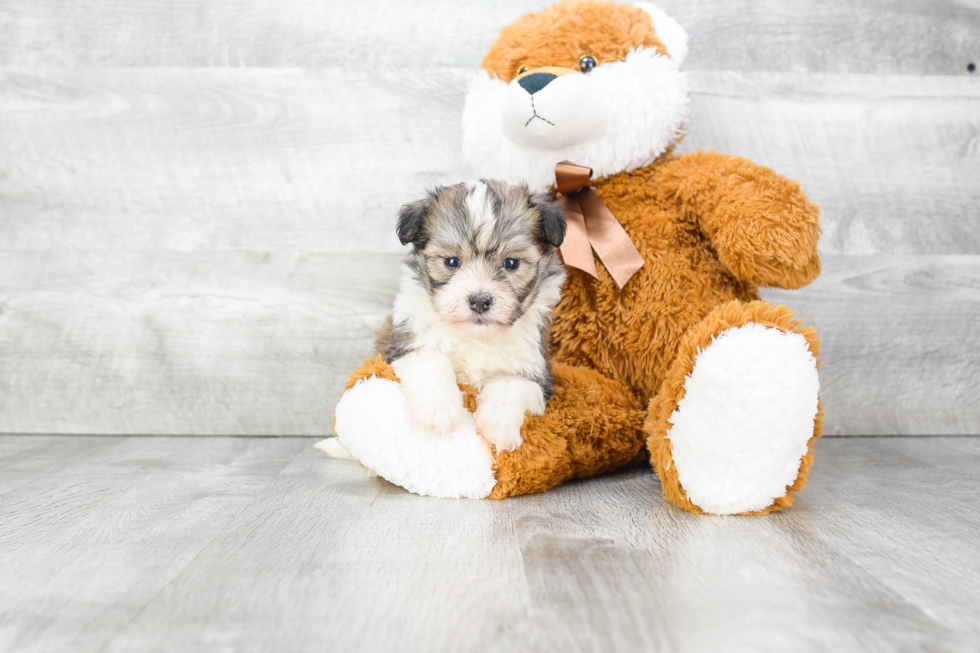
pixel 411 223
pixel 552 218
pixel 669 31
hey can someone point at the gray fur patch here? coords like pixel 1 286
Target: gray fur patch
pixel 546 380
pixel 400 342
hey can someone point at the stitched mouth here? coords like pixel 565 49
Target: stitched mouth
pixel 535 112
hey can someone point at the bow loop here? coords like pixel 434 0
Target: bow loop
pixel 571 178
pixel 592 226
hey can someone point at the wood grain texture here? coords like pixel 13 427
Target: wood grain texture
pixel 873 36
pixel 899 343
pixel 253 159
pixel 185 343
pixel 321 160
pixel 893 162
pixel 197 199
pixel 253 343
pixel 208 544
pixel 121 521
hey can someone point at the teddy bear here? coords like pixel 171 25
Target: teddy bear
pixel 661 348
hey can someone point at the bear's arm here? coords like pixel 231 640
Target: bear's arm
pixel 762 226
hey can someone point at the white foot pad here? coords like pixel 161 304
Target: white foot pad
pixel 739 433
pixel 372 423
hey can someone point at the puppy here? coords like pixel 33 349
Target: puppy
pixel 474 306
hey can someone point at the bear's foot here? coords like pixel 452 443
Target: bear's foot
pixel 591 425
pixel 372 423
pixel 732 427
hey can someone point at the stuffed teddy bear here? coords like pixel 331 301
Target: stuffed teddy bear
pixel 661 348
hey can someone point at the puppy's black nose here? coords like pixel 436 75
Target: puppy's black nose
pixel 480 303
pixel 536 81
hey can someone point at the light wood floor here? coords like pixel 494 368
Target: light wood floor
pixel 262 544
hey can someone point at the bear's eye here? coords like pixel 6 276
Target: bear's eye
pixel 452 262
pixel 521 70
pixel 587 62
pixel 511 263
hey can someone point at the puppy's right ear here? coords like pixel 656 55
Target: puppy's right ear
pixel 411 223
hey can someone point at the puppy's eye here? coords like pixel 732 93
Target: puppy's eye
pixel 587 62
pixel 521 69
pixel 452 262
pixel 511 263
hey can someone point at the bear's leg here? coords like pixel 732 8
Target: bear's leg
pixel 591 425
pixel 731 429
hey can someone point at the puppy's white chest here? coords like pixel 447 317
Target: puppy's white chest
pixel 477 362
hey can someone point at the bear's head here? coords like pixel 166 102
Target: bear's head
pixel 589 81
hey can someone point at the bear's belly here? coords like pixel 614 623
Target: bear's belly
pixel 631 335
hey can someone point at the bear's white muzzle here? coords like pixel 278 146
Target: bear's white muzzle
pixel 553 111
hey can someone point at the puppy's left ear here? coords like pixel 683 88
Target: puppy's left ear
pixel 552 218
pixel 411 223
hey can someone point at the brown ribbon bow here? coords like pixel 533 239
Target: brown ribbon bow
pixel 592 226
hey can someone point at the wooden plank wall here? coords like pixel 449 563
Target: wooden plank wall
pixel 197 199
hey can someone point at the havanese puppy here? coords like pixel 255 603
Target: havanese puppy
pixel 474 306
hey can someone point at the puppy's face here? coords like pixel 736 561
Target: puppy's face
pixel 482 251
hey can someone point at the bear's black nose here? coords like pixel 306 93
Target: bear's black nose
pixel 536 81
pixel 480 303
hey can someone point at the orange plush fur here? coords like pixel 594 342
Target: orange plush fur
pixel 710 228
pixel 558 35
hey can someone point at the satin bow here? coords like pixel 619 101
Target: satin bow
pixel 592 226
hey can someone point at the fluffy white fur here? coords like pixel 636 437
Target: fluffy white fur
pixel 747 414
pixel 564 113
pixel 452 301
pixel 669 31
pixel 478 206
pixel 515 351
pixel 500 409
pixel 372 423
pixel 635 110
pixel 445 355
pixel 429 382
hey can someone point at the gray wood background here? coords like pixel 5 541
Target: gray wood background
pixel 197 199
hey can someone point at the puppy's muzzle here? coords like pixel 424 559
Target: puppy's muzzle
pixel 480 303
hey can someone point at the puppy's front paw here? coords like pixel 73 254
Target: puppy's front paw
pixel 501 428
pixel 437 410
pixel 440 419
